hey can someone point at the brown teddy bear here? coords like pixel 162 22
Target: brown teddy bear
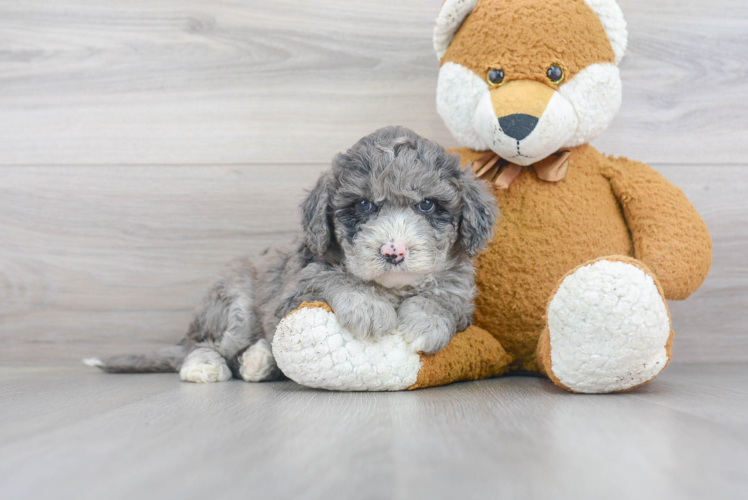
pixel 589 247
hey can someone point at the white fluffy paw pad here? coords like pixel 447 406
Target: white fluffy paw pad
pixel 257 363
pixel 204 365
pixel 312 349
pixel 608 327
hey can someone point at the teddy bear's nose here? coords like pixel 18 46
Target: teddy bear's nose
pixel 518 126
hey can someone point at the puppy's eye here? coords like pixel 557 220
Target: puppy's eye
pixel 555 75
pixel 364 206
pixel 495 77
pixel 426 206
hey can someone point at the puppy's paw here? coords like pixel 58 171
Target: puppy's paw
pixel 363 315
pixel 257 364
pixel 427 332
pixel 203 366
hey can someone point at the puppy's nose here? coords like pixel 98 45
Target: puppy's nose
pixel 394 252
pixel 518 126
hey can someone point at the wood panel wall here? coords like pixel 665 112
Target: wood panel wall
pixel 143 144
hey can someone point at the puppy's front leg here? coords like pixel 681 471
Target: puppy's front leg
pixel 362 312
pixel 426 324
pixel 358 308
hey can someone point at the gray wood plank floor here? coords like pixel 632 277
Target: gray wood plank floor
pixel 72 433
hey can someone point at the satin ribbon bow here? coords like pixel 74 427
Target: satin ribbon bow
pixel 501 173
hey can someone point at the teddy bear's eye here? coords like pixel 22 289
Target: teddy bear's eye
pixel 555 75
pixel 495 77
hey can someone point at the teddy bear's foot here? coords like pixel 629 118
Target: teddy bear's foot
pixel 312 349
pixel 608 328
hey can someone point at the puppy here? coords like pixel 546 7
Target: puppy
pixel 389 234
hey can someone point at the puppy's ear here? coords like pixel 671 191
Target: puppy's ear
pixel 316 215
pixel 479 212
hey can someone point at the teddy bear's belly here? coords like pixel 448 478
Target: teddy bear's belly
pixel 546 230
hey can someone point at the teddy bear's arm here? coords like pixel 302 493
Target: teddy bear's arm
pixel 669 235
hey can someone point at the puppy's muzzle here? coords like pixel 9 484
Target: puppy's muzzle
pixel 394 252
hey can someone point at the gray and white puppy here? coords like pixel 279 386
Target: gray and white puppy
pixel 390 233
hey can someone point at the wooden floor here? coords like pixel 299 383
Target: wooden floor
pixel 80 434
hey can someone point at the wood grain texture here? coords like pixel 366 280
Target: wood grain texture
pixel 120 255
pixel 144 144
pixel 203 81
pixel 104 260
pixel 88 435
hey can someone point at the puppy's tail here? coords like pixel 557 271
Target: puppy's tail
pixel 165 360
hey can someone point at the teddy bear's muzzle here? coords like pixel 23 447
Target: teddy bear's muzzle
pixel 525 121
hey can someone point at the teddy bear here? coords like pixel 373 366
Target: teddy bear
pixel 588 247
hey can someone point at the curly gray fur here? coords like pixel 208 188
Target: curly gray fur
pixel 427 296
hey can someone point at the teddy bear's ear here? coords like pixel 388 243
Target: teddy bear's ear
pixel 450 19
pixel 454 12
pixel 611 15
